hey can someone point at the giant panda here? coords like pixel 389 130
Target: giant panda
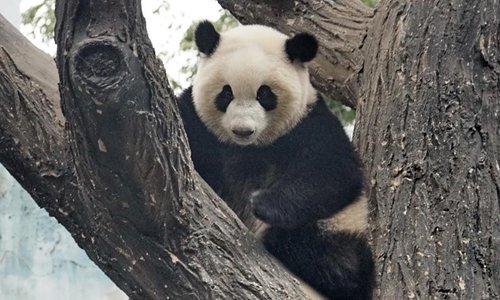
pixel 263 138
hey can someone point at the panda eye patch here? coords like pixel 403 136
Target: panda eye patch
pixel 223 99
pixel 267 98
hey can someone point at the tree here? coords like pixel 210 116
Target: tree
pixel 424 78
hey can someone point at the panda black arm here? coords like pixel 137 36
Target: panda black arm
pixel 206 150
pixel 323 176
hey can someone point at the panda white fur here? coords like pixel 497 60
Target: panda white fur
pixel 265 141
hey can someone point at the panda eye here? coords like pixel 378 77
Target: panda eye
pixel 223 99
pixel 267 98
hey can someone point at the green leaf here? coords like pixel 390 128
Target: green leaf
pixel 42 19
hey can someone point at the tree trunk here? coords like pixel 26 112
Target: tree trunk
pixel 426 79
pixel 428 125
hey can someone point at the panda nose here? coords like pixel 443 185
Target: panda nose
pixel 243 133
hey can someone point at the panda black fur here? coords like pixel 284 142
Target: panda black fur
pixel 266 142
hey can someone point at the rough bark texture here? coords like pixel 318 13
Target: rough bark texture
pixel 149 222
pixel 428 129
pixel 339 25
pixel 428 125
pixel 31 122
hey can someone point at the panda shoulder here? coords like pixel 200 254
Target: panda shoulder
pixel 186 97
pixel 321 120
pixel 186 105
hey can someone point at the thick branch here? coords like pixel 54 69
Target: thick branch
pixel 206 254
pixel 31 122
pixel 151 224
pixel 340 25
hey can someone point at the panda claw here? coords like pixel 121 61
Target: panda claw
pixel 269 210
pixel 253 196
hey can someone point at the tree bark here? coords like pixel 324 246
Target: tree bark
pixel 127 193
pixel 31 123
pixel 427 78
pixel 428 125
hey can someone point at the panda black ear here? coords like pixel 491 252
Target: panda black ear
pixel 206 38
pixel 302 47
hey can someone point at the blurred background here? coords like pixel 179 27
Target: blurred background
pixel 38 258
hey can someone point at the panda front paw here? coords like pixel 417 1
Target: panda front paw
pixel 276 212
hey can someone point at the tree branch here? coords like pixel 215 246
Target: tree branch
pixel 134 203
pixel 150 222
pixel 340 26
pixel 31 127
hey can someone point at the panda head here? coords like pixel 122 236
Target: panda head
pixel 252 84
